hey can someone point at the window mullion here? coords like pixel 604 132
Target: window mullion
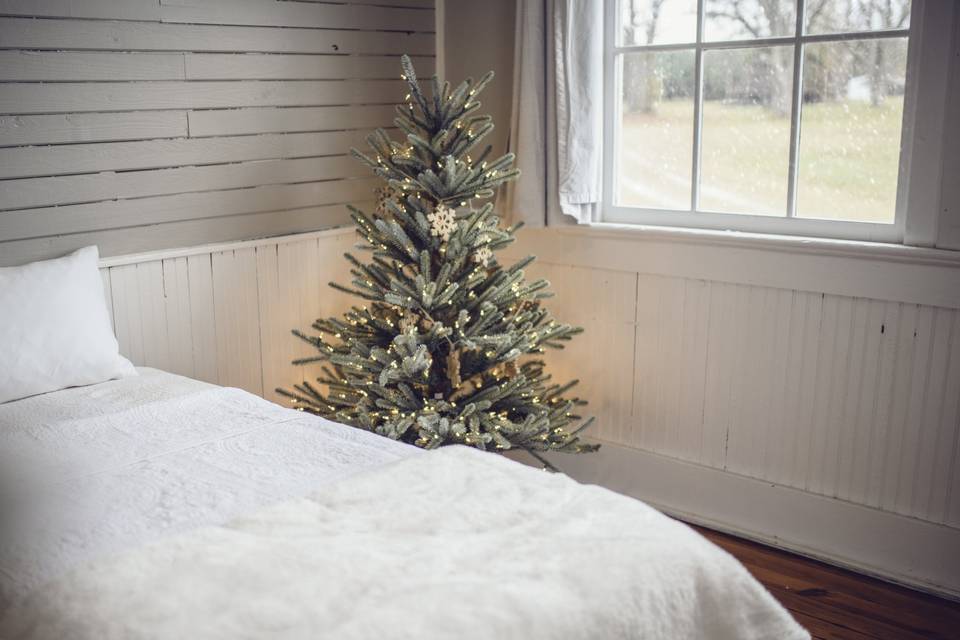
pixel 795 107
pixel 697 111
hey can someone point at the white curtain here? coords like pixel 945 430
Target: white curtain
pixel 556 128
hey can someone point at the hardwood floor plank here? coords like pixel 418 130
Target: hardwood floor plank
pixel 825 630
pixel 883 594
pixel 836 604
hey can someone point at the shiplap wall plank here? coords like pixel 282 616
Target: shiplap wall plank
pixel 294 14
pixel 221 122
pixel 54 34
pixel 25 162
pixel 180 234
pixel 278 66
pixel 76 97
pixel 91 187
pixel 31 223
pixel 75 66
pixel 108 9
pixel 119 116
pixel 91 127
pixel 420 4
pixel 154 10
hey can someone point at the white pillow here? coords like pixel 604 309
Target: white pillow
pixel 54 328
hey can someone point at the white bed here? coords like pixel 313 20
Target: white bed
pixel 162 507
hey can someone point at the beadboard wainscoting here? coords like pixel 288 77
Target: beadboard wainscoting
pixel 145 124
pixel 797 414
pixel 223 313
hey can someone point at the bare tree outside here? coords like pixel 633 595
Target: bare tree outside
pixel 642 86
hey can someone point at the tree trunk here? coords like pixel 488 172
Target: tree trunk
pixel 878 75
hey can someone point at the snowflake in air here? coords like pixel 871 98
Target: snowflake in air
pixel 443 222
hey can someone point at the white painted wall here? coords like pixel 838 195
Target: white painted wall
pixel 146 124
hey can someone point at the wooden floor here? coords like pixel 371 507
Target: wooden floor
pixel 835 604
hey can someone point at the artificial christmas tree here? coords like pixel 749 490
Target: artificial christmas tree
pixel 447 348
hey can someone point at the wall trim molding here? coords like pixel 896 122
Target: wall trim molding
pixel 201 249
pixel 893 547
pixel 855 269
pixel 787 243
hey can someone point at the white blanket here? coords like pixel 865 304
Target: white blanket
pixel 448 544
pixel 97 470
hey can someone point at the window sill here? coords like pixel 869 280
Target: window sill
pixel 840 267
pixel 770 242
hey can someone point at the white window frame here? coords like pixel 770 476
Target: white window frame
pixel 914 218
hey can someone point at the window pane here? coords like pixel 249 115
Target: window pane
pixel 658 21
pixel 850 129
pixel 745 139
pixel 832 16
pixel 654 147
pixel 748 19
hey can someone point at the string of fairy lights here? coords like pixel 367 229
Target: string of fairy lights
pixel 448 347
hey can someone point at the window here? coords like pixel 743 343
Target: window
pixel 780 116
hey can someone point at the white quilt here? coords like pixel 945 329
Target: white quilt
pixel 97 470
pixel 176 509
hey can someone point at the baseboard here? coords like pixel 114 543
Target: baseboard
pixel 889 546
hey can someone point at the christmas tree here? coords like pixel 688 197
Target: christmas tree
pixel 447 348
